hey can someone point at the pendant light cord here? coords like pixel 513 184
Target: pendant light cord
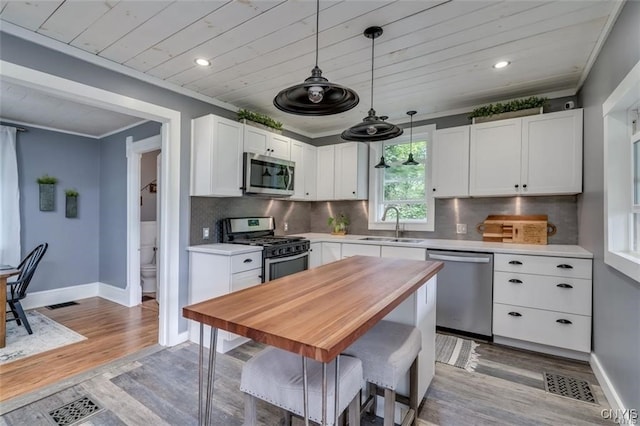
pixel 317 28
pixel 373 40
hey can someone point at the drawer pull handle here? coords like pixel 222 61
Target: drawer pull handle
pixel 247 261
pixel 517 314
pixel 563 285
pixel 515 262
pixel 515 281
pixel 565 266
pixel 564 321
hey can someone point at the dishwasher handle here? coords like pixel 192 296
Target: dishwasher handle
pixel 459 258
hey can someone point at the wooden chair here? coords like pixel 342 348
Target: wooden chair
pixel 18 288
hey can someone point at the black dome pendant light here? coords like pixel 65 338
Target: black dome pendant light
pixel 316 96
pixel 410 161
pixel 372 128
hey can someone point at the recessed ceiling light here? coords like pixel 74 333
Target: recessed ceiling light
pixel 203 62
pixel 501 64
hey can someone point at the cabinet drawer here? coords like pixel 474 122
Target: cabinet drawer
pixel 551 328
pixel 244 262
pixel 571 295
pixel 349 250
pixel 543 265
pixel 246 279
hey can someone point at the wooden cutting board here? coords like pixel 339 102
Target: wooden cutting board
pixel 522 229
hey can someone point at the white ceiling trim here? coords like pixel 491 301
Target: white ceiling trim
pixel 604 34
pixel 131 126
pixel 52 129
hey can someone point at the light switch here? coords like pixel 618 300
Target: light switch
pixel 461 228
pixel 205 233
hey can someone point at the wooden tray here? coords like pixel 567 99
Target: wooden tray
pixel 521 229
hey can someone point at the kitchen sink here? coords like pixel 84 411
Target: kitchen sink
pixel 389 239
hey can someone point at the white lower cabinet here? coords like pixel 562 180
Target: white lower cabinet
pixel 331 252
pixel 315 255
pixel 212 275
pixel 545 301
pixel 349 250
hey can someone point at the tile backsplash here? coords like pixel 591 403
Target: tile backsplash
pixel 312 216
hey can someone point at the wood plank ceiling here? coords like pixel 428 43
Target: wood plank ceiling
pixel 434 55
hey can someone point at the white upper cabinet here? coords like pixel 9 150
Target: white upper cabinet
pixel 450 165
pixel 263 142
pixel 325 173
pixel 343 172
pixel 494 162
pixel 216 157
pixel 535 155
pixel 552 153
pixel 352 172
pixel 304 157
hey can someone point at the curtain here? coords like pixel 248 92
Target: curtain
pixel 9 199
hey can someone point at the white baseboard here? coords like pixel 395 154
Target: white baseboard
pixel 114 294
pixel 39 299
pixel 607 387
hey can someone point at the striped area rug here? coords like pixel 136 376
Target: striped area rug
pixel 456 351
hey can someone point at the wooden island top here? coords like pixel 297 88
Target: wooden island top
pixel 319 312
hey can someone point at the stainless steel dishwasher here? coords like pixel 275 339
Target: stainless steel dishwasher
pixel 465 291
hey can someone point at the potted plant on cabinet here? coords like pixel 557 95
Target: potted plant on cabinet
pixel 47 187
pixel 259 120
pixel 71 208
pixel 338 224
pixel 512 109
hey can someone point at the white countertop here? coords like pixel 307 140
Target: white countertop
pixel 562 250
pixel 224 249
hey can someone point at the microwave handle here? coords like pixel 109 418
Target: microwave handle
pixel 291 171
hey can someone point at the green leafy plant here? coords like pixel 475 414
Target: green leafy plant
pixel 47 180
pixel 259 118
pixel 70 192
pixel 338 223
pixel 515 105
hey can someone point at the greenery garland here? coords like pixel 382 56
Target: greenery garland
pixel 515 105
pixel 259 118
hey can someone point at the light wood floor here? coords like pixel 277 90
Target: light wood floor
pixel 112 331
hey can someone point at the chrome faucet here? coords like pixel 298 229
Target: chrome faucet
pixel 384 217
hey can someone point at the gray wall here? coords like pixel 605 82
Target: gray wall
pixel 113 202
pixel 72 257
pixel 148 174
pixel 616 298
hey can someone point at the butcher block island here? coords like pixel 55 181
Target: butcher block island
pixel 319 312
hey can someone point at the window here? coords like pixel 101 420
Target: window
pixel 622 176
pixel 400 186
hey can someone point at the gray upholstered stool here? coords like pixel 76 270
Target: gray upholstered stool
pixel 387 352
pixel 275 376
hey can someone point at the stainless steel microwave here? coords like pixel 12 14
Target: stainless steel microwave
pixel 268 176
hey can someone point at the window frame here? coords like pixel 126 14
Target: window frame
pixel 375 183
pixel 619 209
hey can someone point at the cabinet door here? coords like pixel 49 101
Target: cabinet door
pixel 227 158
pixel 279 146
pixel 201 155
pixel 349 250
pixel 246 279
pixel 310 169
pixel 552 153
pixel 331 252
pixel 351 171
pixel 256 140
pixel 451 162
pixel 404 252
pixel 325 173
pixel 494 160
pixel 299 180
pixel 315 255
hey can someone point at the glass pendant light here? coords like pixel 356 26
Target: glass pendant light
pixel 410 161
pixel 316 95
pixel 372 128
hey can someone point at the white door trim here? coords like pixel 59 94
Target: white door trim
pixel 134 153
pixel 168 275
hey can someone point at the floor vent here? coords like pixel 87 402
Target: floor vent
pixel 569 387
pixel 74 411
pixel 61 305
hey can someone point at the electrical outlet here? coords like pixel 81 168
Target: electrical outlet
pixel 205 233
pixel 286 226
pixel 461 228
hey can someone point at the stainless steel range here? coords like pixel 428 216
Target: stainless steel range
pixel 281 256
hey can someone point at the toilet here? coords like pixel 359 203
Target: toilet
pixel 148 261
